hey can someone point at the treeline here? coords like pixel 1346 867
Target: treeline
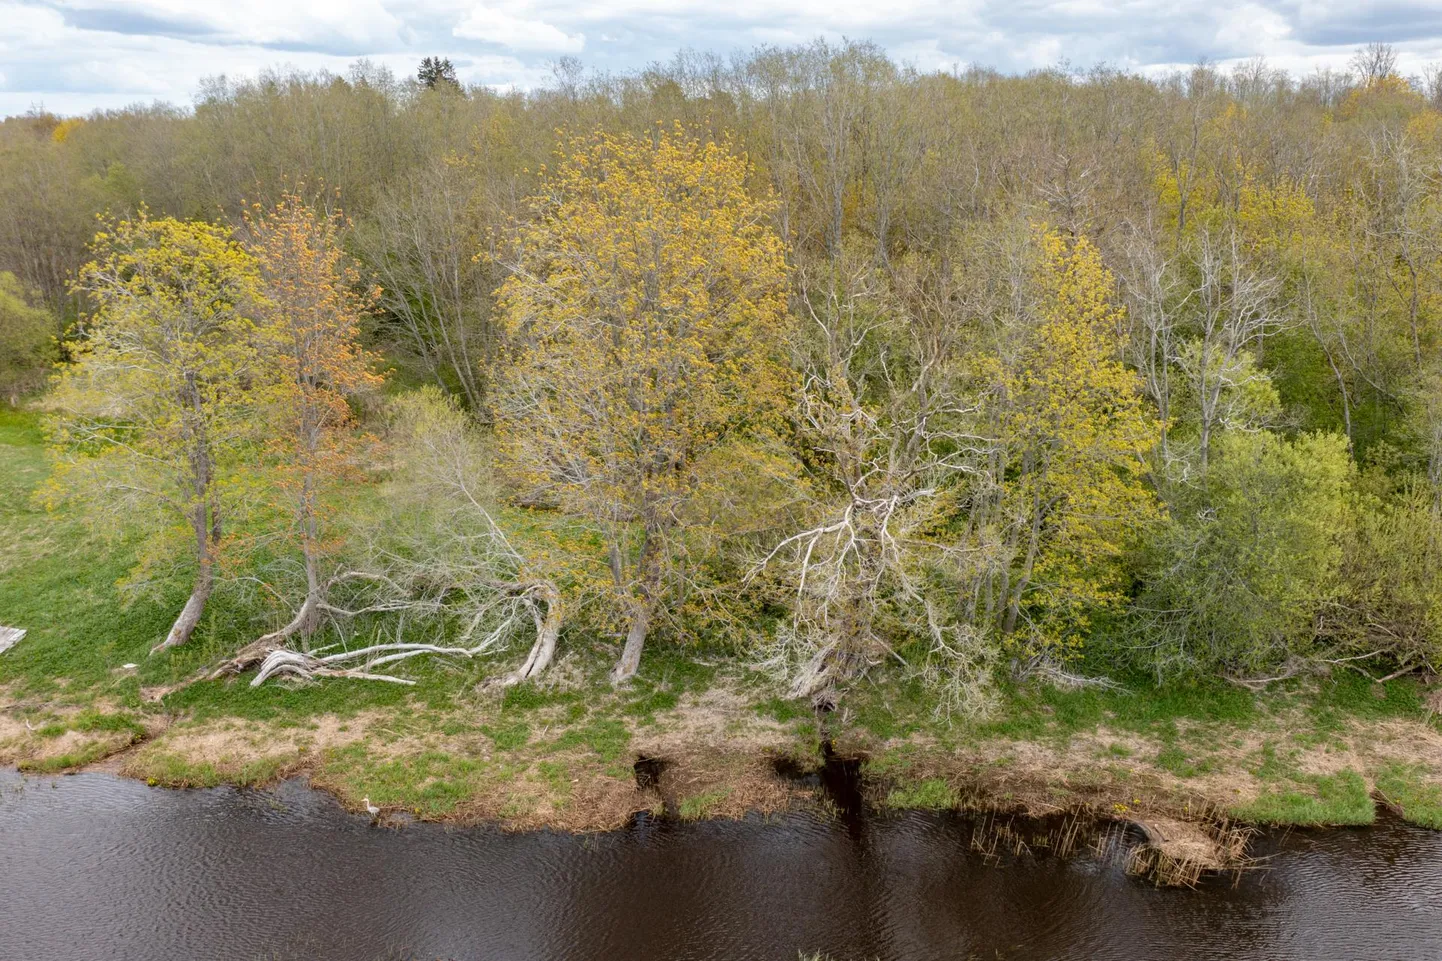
pixel 803 352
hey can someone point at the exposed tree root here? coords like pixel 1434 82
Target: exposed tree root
pixel 1047 670
pixel 548 630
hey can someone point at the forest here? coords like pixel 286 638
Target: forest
pixel 802 357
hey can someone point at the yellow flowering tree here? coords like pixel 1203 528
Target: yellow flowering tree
pixel 1073 430
pixel 646 307
pixel 152 415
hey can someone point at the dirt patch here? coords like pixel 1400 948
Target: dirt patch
pixel 1404 742
pixel 248 752
pixel 11 729
pixel 720 718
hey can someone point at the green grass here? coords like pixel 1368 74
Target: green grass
pixel 56 763
pixel 931 794
pixel 430 784
pixel 700 806
pixel 894 708
pixel 1174 760
pixel 1314 801
pixel 89 721
pixel 58 583
pixel 607 738
pixel 1419 801
pixel 164 769
pixel 508 737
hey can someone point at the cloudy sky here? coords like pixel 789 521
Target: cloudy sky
pixel 72 56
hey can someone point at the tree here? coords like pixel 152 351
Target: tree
pixel 647 306
pixel 438 73
pixel 887 436
pixel 1069 467
pixel 445 498
pixel 1249 557
pixel 27 340
pixel 1391 604
pixel 1374 62
pixel 311 312
pixel 420 243
pixel 152 414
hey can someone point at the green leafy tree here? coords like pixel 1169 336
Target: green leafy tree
pixel 1392 575
pixel 1250 556
pixel 152 416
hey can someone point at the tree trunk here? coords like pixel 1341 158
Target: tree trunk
pixel 630 660
pixel 185 624
pixel 307 619
pixel 548 630
pixel 648 583
pixel 206 536
pixel 1017 594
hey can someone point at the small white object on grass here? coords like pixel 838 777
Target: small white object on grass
pixel 371 809
pixel 9 637
pixel 129 667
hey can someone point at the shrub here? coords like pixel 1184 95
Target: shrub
pixel 1251 554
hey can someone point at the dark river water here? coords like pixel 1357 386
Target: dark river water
pixel 95 868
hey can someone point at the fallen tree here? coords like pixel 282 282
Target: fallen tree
pixel 441 559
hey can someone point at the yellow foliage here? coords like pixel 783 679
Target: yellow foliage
pixel 1076 430
pixel 65 128
pixel 151 415
pixel 647 309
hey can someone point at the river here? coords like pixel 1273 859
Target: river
pixel 98 868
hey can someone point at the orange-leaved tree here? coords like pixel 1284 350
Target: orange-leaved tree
pixel 314 298
pixel 646 308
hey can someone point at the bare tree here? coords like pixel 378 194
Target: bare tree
pixel 1374 62
pixel 421 243
pixel 879 409
pixel 1235 302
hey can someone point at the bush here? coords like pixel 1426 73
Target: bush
pixel 1240 573
pixel 1392 579
pixel 27 341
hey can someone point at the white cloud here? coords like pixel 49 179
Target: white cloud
pixel 492 25
pixel 77 54
pixel 321 23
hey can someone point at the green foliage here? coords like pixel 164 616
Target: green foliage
pixel 931 794
pixel 1250 556
pixel 27 340
pixel 1392 575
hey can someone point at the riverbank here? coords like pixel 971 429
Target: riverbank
pixel 79 692
pixel 563 754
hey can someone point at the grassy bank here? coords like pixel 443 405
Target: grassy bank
pixel 1314 751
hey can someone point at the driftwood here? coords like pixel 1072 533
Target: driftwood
pixel 274 661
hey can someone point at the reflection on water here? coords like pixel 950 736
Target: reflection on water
pixel 96 867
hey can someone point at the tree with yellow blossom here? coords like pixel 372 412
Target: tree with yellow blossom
pixel 646 312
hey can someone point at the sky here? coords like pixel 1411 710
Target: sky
pixel 73 56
